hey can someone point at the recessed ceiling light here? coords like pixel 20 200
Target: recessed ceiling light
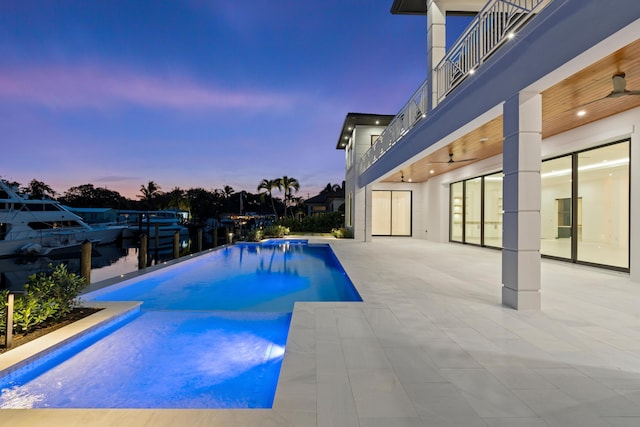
pixel 511 35
pixel 377 122
pixel 581 113
pixel 350 128
pixel 431 171
pixel 472 71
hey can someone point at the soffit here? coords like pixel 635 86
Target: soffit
pixel 560 104
pixel 360 119
pixel 409 7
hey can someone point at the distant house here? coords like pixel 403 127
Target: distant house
pixel 95 215
pixel 326 201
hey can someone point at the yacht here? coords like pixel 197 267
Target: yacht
pixel 41 227
pixel 165 222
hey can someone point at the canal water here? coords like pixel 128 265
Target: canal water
pixel 107 261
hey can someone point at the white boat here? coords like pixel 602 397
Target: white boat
pixel 165 223
pixel 41 227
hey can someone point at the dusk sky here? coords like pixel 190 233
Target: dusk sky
pixel 195 93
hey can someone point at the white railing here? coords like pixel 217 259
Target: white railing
pixel 410 114
pixel 493 26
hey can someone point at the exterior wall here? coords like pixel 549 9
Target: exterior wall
pixel 359 143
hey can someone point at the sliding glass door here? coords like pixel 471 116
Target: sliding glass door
pixel 603 210
pixel 584 211
pixel 391 213
pixel 556 207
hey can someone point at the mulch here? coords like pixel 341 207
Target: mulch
pixel 46 327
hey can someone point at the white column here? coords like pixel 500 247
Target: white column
pixel 634 241
pixel 436 45
pixel 368 206
pixel 522 131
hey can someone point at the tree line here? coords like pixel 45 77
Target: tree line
pixel 201 203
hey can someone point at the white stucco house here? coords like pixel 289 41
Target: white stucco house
pixel 523 137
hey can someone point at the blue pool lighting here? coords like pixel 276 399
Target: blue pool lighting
pixel 211 333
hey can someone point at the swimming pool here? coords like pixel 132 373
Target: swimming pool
pixel 211 334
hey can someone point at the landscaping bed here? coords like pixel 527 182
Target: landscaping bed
pixel 47 327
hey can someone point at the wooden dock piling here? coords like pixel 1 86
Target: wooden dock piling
pixel 85 261
pixel 176 245
pixel 142 255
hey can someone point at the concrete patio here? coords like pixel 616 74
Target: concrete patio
pixel 431 345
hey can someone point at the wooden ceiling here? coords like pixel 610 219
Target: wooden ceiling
pixel 585 90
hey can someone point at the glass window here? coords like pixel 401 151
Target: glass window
pixel 456 212
pixel 473 211
pixel 603 208
pixel 493 210
pixel 555 209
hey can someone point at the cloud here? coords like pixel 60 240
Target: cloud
pixel 103 88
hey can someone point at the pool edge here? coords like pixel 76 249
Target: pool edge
pixel 21 356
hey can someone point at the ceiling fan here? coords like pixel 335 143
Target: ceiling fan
pixel 619 89
pixel 451 161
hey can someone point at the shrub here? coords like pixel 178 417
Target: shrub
pixel 318 223
pixel 47 297
pixel 3 309
pixel 255 235
pixel 275 231
pixel 61 287
pixel 342 233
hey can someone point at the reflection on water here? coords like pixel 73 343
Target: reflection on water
pixel 106 262
pixel 123 264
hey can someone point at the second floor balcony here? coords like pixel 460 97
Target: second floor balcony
pixel 495 24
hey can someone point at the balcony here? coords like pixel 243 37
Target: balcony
pixel 493 27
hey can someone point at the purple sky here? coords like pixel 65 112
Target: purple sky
pixel 195 93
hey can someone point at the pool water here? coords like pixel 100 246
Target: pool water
pixel 211 334
pixel 244 277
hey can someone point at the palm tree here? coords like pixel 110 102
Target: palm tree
pixel 227 191
pixel 287 184
pixel 268 185
pixel 225 194
pixel 149 192
pixel 177 199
